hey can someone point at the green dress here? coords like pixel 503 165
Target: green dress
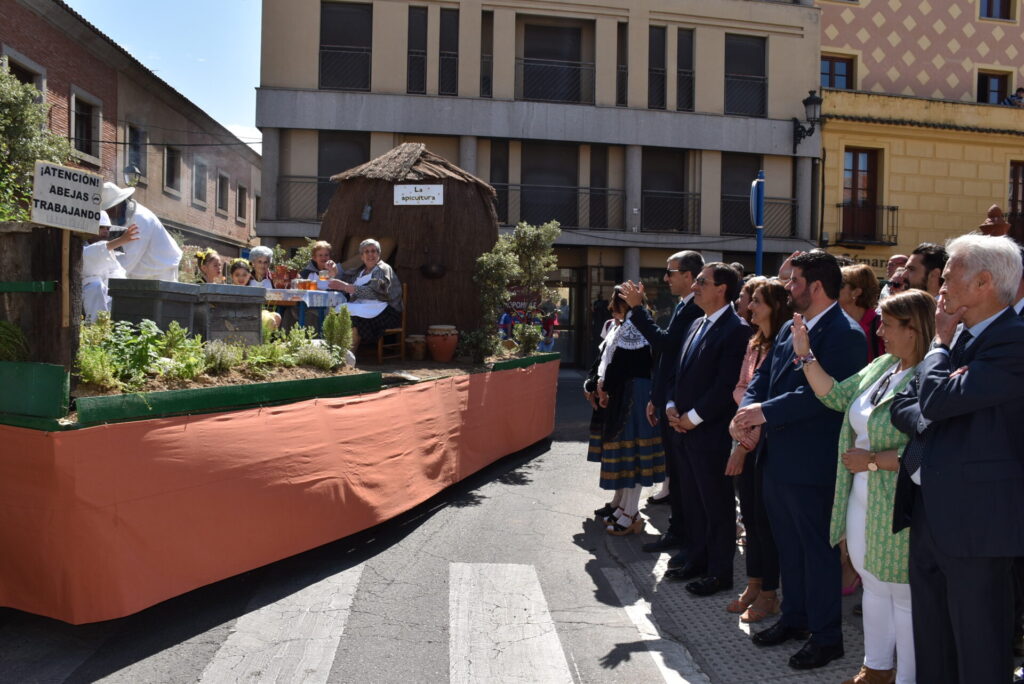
pixel 887 554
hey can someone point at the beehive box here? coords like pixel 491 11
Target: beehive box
pixel 230 312
pixel 158 300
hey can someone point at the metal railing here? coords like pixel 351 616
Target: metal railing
pixel 344 67
pixel 864 223
pixel 656 89
pixel 486 76
pixel 550 80
pixel 746 95
pixel 684 90
pixel 303 198
pixel 665 211
pixel 621 85
pixel 416 77
pixel 779 216
pixel 448 74
pixel 573 207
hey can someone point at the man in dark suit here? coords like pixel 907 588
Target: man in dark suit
pixel 800 440
pixel 680 271
pixel 700 407
pixel 961 480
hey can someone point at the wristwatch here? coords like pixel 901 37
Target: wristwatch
pixel 939 345
pixel 872 466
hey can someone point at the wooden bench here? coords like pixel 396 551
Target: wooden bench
pixel 395 349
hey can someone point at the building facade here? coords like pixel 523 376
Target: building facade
pixel 916 143
pixel 197 176
pixel 637 124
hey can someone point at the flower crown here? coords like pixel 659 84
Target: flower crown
pixel 241 263
pixel 204 255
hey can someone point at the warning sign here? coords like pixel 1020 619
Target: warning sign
pixel 66 198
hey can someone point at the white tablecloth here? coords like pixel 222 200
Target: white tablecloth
pixel 330 298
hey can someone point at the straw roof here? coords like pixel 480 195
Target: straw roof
pixel 410 162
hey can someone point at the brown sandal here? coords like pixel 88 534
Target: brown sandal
pixel 749 595
pixel 762 607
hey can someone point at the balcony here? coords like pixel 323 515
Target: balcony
pixel 779 216
pixel 867 224
pixel 549 80
pixel 746 95
pixel 663 211
pixel 416 76
pixel 585 208
pixel 656 89
pixel 684 90
pixel 448 75
pixel 486 76
pixel 303 198
pixel 345 68
pixel 621 85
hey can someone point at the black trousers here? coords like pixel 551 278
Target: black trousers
pixel 710 510
pixel 963 611
pixel 673 468
pixel 762 558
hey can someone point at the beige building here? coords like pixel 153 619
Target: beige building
pixel 637 124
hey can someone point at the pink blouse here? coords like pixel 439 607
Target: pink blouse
pixel 751 362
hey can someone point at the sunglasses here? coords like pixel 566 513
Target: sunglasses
pixel 670 271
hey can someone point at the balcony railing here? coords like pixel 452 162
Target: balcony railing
pixel 664 211
pixel 549 80
pixel 656 89
pixel 684 90
pixel 864 223
pixel 344 67
pixel 486 76
pixel 448 74
pixel 572 207
pixel 779 216
pixel 303 198
pixel 416 78
pixel 621 85
pixel 746 95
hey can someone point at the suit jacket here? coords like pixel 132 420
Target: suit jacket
pixel 666 343
pixel 972 471
pixel 800 432
pixel 705 382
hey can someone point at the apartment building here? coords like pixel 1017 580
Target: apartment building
pixel 637 124
pixel 196 175
pixel 916 145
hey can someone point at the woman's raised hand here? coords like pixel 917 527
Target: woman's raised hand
pixel 801 340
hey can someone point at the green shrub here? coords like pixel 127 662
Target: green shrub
pixel 222 356
pixel 187 359
pixel 96 366
pixel 13 345
pixel 316 356
pixel 338 331
pixel 528 337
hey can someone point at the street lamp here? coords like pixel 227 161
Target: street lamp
pixel 132 175
pixel 812 112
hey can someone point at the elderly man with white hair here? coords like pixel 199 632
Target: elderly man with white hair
pixel 155 255
pixel 961 481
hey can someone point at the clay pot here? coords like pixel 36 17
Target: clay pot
pixel 416 346
pixel 441 341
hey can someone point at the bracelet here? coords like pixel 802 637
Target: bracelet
pixel 805 359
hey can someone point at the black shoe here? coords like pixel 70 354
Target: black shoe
pixel 706 586
pixel 663 501
pixel 814 655
pixel 678 560
pixel 778 634
pixel 664 543
pixel 687 572
pixel 604 511
pixel 1018 645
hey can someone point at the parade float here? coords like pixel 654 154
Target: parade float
pixel 114 502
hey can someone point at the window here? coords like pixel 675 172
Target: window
pixel 992 87
pixel 346 32
pixel 337 151
pixel 416 79
pixel 499 178
pixel 552 69
pixel 21 73
pixel 448 76
pixel 241 203
pixel 656 68
pixel 684 71
pixel 172 169
pixel 487 54
pixel 1016 201
pixel 136 152
pixel 837 72
pixel 222 193
pixel 996 9
pixel 746 83
pixel 622 64
pixel 738 170
pixel 200 177
pixel 23 68
pixel 860 194
pixel 86 119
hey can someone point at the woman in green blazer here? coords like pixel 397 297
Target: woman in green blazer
pixel 869 452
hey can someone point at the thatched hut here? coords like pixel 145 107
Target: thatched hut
pixel 433 247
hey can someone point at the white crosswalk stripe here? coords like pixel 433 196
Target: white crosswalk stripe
pixel 290 639
pixel 501 630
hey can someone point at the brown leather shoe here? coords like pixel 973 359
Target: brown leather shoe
pixel 869 676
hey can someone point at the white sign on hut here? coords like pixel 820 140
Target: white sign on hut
pixel 419 194
pixel 66 198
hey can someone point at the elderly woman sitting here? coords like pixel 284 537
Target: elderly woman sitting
pixel 375 295
pixel 261 258
pixel 320 260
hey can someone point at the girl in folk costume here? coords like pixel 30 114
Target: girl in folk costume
pixel 627 446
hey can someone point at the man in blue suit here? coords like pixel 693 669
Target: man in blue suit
pixel 800 440
pixel 700 407
pixel 681 269
pixel 961 480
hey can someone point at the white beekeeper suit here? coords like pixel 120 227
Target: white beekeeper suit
pixel 99 265
pixel 155 255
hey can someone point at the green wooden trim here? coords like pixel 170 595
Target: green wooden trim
pixel 34 423
pixel 34 389
pixel 29 286
pixel 120 407
pixel 527 361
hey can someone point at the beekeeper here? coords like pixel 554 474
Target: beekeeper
pixel 155 255
pixel 99 265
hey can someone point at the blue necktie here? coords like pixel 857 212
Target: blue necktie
pixel 695 341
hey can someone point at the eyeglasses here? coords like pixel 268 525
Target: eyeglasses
pixel 883 387
pixel 670 271
pixel 701 280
